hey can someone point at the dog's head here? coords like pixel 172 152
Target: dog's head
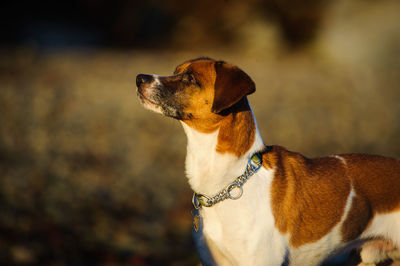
pixel 200 90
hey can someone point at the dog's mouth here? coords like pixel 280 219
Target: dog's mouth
pixel 148 102
pixel 160 101
pixel 143 98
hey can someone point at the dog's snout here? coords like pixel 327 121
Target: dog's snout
pixel 142 78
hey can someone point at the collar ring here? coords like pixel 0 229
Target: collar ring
pixel 230 187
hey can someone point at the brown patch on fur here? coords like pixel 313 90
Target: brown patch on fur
pixel 308 195
pixel 226 86
pixel 203 120
pixel 180 68
pixel 376 182
pixel 231 85
pixel 357 219
pixel 377 179
pixel 237 130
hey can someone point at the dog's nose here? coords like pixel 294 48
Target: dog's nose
pixel 142 78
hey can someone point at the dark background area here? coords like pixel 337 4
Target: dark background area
pixel 151 24
pixel 88 177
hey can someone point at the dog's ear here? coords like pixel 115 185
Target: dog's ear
pixel 231 85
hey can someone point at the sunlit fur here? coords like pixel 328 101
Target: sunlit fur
pixel 296 207
pixel 378 250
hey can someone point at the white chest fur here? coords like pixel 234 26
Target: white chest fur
pixel 244 229
pixel 207 170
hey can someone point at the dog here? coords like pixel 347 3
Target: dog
pixel 265 205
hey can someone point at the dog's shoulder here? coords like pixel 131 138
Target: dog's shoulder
pixel 285 160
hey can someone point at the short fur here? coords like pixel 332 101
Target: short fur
pixel 306 208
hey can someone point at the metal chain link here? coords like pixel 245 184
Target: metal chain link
pixel 253 165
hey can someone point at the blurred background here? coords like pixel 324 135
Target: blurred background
pixel 88 177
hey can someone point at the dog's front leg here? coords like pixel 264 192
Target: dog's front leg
pixel 219 257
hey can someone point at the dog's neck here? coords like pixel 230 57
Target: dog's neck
pixel 215 159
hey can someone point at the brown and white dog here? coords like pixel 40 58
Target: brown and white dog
pixel 295 207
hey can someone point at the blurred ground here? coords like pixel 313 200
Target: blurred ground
pixel 88 177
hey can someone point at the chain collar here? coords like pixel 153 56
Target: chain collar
pixel 253 165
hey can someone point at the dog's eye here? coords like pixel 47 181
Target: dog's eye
pixel 192 79
pixel 189 78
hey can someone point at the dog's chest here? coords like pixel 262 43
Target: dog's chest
pixel 244 229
